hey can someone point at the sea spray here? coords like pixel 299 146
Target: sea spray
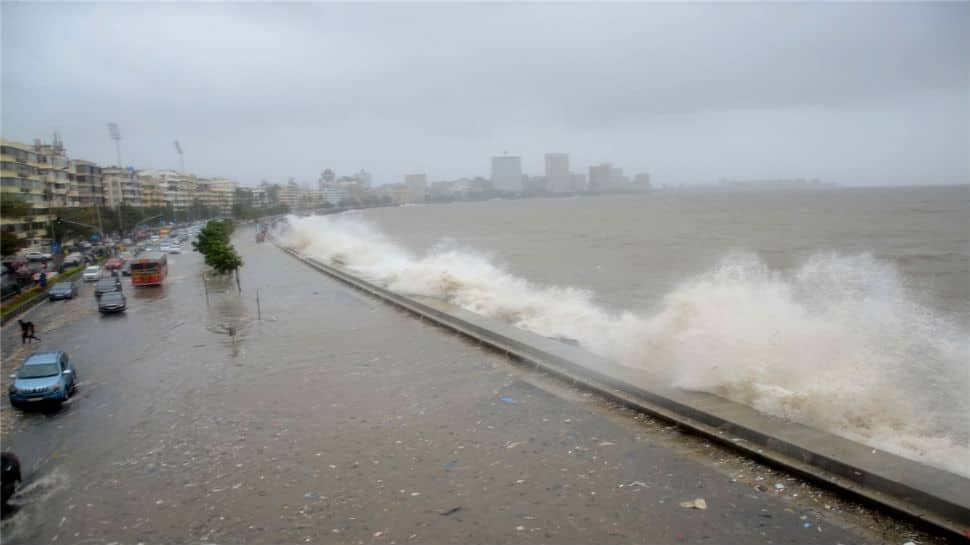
pixel 838 343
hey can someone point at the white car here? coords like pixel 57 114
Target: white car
pixel 91 274
pixel 37 256
pixel 174 250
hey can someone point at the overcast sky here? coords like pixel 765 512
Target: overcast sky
pixel 860 94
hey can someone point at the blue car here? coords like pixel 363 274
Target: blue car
pixel 62 290
pixel 44 376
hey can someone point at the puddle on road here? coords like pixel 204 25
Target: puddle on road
pixel 149 293
pixel 226 314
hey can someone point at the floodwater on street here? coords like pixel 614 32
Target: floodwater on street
pixel 323 415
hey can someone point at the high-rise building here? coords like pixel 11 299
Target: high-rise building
pixel 558 177
pixel 217 193
pixel 20 178
pixel 617 179
pixel 89 183
pixel 177 189
pixel 642 181
pixel 121 185
pixel 507 173
pixel 327 177
pixel 364 178
pixel 417 186
pixel 335 194
pixel 289 194
pixel 599 177
pixel 259 198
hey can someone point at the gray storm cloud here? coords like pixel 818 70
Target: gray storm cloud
pixel 851 93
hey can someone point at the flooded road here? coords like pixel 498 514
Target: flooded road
pixel 335 418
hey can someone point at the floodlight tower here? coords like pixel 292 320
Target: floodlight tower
pixel 115 133
pixel 178 148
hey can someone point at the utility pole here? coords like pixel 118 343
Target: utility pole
pixel 97 210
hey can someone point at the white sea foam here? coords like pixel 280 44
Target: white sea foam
pixel 838 343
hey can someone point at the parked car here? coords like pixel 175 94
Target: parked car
pixel 106 285
pixel 10 478
pixel 91 274
pixel 37 256
pixel 112 301
pixel 62 290
pixel 43 376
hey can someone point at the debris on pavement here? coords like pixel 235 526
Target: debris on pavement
pixel 698 503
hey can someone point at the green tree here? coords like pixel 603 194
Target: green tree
pixel 10 243
pixel 213 243
pixel 224 260
pixel 12 207
pixel 211 237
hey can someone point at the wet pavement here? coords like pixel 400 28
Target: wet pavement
pixel 336 418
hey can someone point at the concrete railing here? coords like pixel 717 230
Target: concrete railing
pixel 918 491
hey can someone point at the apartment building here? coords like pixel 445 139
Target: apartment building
pixel 20 178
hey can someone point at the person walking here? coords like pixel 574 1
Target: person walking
pixel 27 332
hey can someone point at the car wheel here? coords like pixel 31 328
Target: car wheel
pixel 16 404
pixel 8 491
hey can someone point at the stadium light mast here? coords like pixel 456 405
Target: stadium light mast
pixel 178 148
pixel 115 134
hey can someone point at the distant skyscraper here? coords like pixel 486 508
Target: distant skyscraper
pixel 417 186
pixel 327 177
pixel 364 178
pixel 617 179
pixel 507 173
pixel 558 177
pixel 642 181
pixel 599 177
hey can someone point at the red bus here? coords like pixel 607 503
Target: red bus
pixel 149 269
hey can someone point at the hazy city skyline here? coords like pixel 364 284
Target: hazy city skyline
pixel 856 94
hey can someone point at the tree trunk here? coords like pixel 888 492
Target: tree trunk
pixel 237 280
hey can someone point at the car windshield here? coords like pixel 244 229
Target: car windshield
pixel 111 297
pixel 39 370
pixel 91 270
pixel 62 286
